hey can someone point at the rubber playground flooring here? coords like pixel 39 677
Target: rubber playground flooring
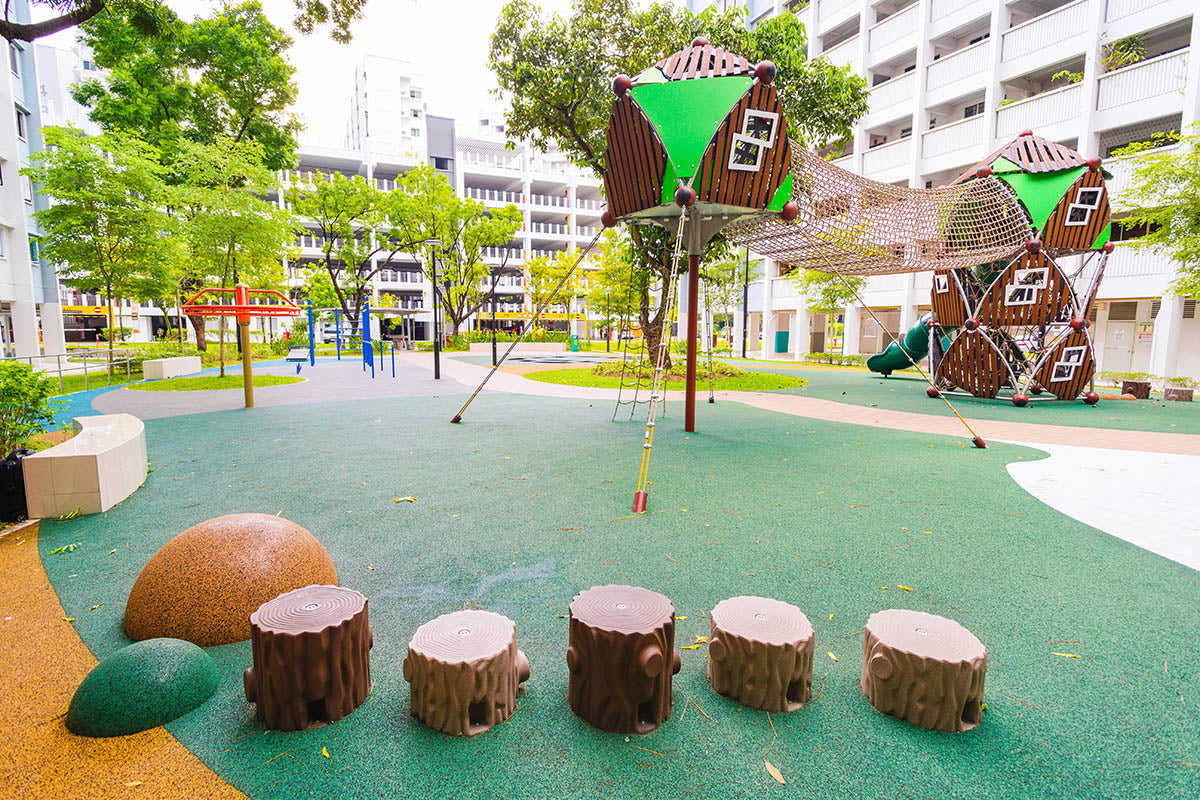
pixel 526 504
pixel 904 392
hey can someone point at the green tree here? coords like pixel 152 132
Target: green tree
pixel 556 72
pixel 106 227
pixel 25 405
pixel 232 235
pixel 171 81
pixel 827 293
pixel 433 212
pixel 543 274
pixel 1163 198
pixel 360 229
pixel 310 15
pixel 724 282
pixel 612 290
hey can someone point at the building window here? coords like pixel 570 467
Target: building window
pixel 22 125
pixel 973 110
pixel 978 39
pixel 441 163
pixel 34 250
pixel 414 94
pixel 27 189
pixel 416 112
pixel 905 132
pixel 14 59
pixel 3 243
pixel 88 65
pixel 416 131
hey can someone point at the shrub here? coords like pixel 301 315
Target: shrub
pixel 25 405
pixel 1183 382
pixel 122 334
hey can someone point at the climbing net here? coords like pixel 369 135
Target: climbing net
pixel 851 225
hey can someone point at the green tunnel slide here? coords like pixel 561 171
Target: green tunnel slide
pixel 916 343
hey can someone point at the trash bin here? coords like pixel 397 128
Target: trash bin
pixel 12 487
pixel 781 341
pixel 574 343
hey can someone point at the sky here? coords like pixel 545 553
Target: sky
pixel 447 40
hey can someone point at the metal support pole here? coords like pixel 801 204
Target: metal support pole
pixel 494 325
pixel 337 331
pixel 312 337
pixel 745 302
pixel 437 334
pixel 393 358
pixel 242 298
pixel 689 413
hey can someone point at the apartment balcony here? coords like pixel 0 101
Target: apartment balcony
pixel 892 99
pixel 1120 9
pixel 844 53
pixel 1052 115
pixel 956 74
pixel 587 232
pixel 894 35
pixel 784 292
pixel 589 205
pixel 490 162
pixel 889 162
pixel 501 253
pixel 548 201
pixel 548 229
pixel 1053 37
pixel 832 13
pixel 1152 88
pixel 958 143
pixel 845 162
pixel 1136 272
pixel 493 196
pixel 948 15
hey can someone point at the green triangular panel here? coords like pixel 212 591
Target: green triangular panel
pixel 1103 238
pixel 782 194
pixel 686 114
pixel 670 183
pixel 1040 192
pixel 1003 165
pixel 649 75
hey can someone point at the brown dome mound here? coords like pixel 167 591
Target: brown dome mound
pixel 203 585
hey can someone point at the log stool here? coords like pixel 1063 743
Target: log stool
pixel 464 671
pixel 621 657
pixel 924 669
pixel 312 657
pixel 761 653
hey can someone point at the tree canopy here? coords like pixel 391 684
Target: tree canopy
pixel 1163 198
pixel 171 81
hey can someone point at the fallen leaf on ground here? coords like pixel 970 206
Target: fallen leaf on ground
pixel 774 772
pixel 409 499
pixel 131 784
pixel 831 617
pixel 905 588
pixel 1065 655
pixel 93 608
pixel 683 617
pixel 831 655
pixel 690 647
pixel 701 639
pixel 68 619
pixel 325 752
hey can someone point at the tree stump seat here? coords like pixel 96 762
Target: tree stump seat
pixel 312 657
pixel 1139 389
pixel 760 653
pixel 621 656
pixel 1178 394
pixel 465 671
pixel 924 669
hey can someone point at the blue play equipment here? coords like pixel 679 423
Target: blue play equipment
pixel 298 354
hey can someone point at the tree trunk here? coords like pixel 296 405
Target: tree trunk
pixel 761 653
pixel 621 658
pixel 312 657
pixel 465 671
pixel 924 669
pixel 198 327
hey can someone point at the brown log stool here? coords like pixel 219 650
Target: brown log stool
pixel 1139 389
pixel 464 672
pixel 924 669
pixel 312 657
pixel 760 653
pixel 621 657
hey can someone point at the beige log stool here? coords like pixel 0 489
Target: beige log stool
pixel 760 653
pixel 924 669
pixel 621 658
pixel 312 657
pixel 464 672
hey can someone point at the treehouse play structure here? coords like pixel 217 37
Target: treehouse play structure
pixel 698 144
pixel 1020 325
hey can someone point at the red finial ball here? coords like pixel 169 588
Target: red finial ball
pixel 622 84
pixel 1093 163
pixel 685 196
pixel 1091 398
pixel 983 172
pixel 607 219
pixel 1033 245
pixel 699 41
pixel 931 322
pixel 1036 389
pixel 932 392
pixel 1026 132
pixel 1108 247
pixel 970 323
pixel 765 72
pixel 790 210
pixel 1078 323
pixel 1020 400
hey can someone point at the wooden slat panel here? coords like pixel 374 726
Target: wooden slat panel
pixel 717 183
pixel 1049 302
pixel 1057 235
pixel 973 364
pixel 703 61
pixel 635 160
pixel 1070 382
pixel 950 306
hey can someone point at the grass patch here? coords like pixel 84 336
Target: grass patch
pixel 740 382
pixel 205 382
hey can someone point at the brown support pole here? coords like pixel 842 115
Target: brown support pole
pixel 693 320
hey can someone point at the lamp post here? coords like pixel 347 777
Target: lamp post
pixel 437 335
pixel 745 301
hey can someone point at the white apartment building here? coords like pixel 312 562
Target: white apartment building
pixel 30 314
pixel 952 80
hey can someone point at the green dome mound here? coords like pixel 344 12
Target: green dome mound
pixel 140 687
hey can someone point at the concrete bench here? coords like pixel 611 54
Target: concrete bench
pixel 522 347
pixel 158 368
pixel 101 465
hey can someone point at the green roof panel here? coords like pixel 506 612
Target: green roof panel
pixel 686 114
pixel 1041 191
